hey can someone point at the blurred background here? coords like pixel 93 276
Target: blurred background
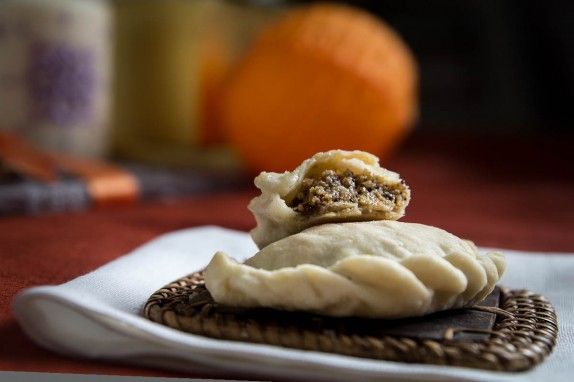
pixel 109 102
pixel 504 66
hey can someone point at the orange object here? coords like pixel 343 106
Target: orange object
pixel 106 183
pixel 18 155
pixel 323 77
pixel 215 64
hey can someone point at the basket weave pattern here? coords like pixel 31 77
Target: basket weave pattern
pixel 524 332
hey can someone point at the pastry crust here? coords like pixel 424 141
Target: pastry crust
pixel 378 269
pixel 332 186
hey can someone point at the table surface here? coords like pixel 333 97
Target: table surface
pixel 499 191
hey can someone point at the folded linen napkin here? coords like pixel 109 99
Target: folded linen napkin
pixel 98 315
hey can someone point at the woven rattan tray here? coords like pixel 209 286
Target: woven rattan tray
pixel 520 329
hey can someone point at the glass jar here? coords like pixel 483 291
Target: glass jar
pixel 170 58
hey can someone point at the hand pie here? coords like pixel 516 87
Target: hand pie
pixel 376 269
pixel 333 186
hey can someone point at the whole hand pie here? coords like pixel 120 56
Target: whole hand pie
pixel 376 269
pixel 332 186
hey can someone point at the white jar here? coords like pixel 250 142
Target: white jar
pixel 55 73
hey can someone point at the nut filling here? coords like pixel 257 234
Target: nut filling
pixel 334 192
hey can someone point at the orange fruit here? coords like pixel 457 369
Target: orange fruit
pixel 322 77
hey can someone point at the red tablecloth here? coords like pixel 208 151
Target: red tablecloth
pixel 498 191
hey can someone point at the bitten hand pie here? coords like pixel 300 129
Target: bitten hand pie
pixel 377 269
pixel 332 186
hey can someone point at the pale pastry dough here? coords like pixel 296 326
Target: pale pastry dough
pixel 377 269
pixel 332 186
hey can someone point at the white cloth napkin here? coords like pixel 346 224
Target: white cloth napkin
pixel 98 315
